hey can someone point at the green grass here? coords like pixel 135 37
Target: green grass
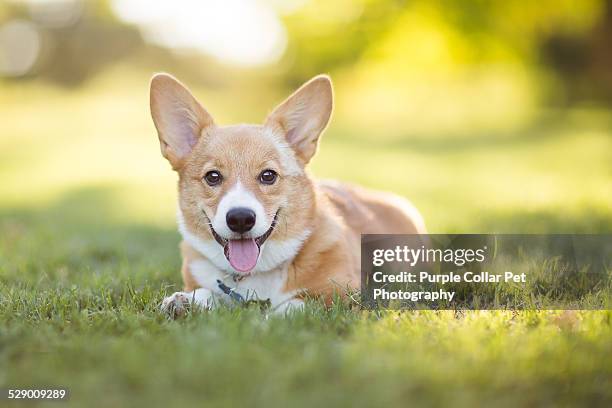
pixel 88 249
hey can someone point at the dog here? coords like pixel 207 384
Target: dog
pixel 255 225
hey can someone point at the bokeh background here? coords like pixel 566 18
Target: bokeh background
pixel 490 116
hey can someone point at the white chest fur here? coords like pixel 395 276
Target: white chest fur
pixel 267 281
pixel 260 286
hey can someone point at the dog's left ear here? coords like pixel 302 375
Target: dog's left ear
pixel 303 116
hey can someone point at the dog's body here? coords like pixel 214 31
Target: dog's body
pixel 250 216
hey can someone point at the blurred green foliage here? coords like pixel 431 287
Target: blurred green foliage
pixel 566 39
pixel 401 67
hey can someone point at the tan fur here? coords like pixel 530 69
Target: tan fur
pixel 189 254
pixel 334 213
pixel 330 259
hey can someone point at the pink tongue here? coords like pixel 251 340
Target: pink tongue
pixel 242 254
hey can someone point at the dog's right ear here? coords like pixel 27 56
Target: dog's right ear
pixel 178 117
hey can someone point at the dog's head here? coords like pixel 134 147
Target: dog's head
pixel 244 185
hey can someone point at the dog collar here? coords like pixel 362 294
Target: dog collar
pixel 238 298
pixel 230 292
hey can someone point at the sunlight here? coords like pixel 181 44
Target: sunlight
pixel 240 32
pixel 19 47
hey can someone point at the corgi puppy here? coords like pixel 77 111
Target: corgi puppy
pixel 255 225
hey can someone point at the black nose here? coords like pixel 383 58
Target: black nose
pixel 240 220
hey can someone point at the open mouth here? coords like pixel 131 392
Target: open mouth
pixel 242 253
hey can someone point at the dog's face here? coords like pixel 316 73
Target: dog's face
pixel 243 186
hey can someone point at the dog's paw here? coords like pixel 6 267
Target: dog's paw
pixel 176 305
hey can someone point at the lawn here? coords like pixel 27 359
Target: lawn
pixel 88 249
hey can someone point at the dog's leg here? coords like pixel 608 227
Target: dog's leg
pixel 178 303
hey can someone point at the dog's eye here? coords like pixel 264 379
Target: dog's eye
pixel 213 178
pixel 268 177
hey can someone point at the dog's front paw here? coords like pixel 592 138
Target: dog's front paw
pixel 176 305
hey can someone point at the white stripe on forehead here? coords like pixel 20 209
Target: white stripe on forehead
pixel 286 153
